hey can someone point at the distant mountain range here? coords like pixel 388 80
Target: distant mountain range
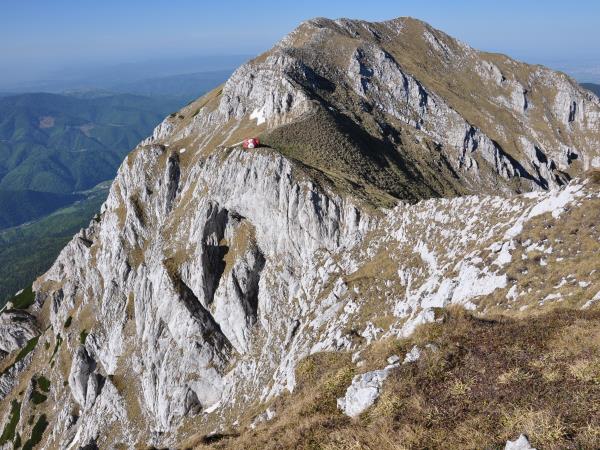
pixel 21 206
pixel 52 146
pixel 28 250
pixel 186 86
pixel 595 88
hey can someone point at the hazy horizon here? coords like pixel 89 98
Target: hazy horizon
pixel 66 40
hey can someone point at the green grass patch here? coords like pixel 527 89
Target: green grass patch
pixel 23 353
pixel 68 322
pixel 31 344
pixel 83 336
pixel 24 300
pixel 56 347
pixel 38 398
pixel 17 442
pixel 8 434
pixel 37 433
pixel 43 383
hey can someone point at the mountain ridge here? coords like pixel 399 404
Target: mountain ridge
pixel 214 275
pixel 540 168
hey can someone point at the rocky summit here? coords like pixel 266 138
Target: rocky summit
pixel 409 260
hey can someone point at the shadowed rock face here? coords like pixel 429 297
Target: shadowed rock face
pixel 84 385
pixel 212 271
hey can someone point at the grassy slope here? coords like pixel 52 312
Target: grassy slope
pixel 488 381
pixel 362 162
pixel 29 250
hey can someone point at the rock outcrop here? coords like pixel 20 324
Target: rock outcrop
pixel 521 443
pixel 16 329
pixel 363 391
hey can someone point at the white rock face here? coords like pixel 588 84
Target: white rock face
pixel 413 355
pixel 377 77
pixel 521 443
pixel 81 376
pixel 594 299
pixel 10 378
pixel 16 329
pixel 252 279
pixel 363 392
pixel 269 414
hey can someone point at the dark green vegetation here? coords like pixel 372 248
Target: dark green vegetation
pixel 595 88
pixel 28 251
pixel 36 433
pixel 24 299
pixel 31 344
pixel 8 434
pixel 29 347
pixel 83 336
pixel 57 345
pixel 61 144
pixel 18 207
pixel 485 381
pixel 38 398
pixel 43 383
pixel 53 146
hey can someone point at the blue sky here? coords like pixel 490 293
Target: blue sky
pixel 38 37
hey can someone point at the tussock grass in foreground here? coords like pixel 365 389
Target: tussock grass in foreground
pixel 488 381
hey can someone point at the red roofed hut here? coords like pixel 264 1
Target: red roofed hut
pixel 251 143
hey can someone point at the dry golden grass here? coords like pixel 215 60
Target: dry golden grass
pixel 489 381
pixel 574 241
pixel 459 388
pixel 586 370
pixel 588 436
pixel 514 375
pixel 543 427
pixel 356 159
pixel 550 375
pixel 593 176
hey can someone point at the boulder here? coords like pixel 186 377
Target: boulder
pixel 82 367
pixel 363 392
pixel 521 443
